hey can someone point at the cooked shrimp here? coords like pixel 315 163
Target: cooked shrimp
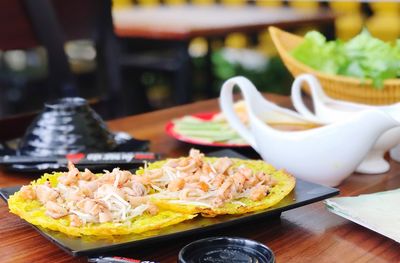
pixel 142 179
pixel 176 185
pixel 136 189
pixel 90 206
pixel 207 169
pixel 27 192
pixel 227 188
pixel 137 200
pixel 86 192
pixel 173 163
pixel 197 156
pixel 88 187
pixel 87 175
pixel 45 194
pixel 246 172
pixel 264 178
pixel 105 216
pixel 183 161
pixel 128 191
pixel 251 180
pixel 258 192
pixel 107 189
pixel 74 194
pixel 71 177
pixel 96 209
pixel 107 178
pixel 269 180
pixel 194 178
pixel 183 175
pixel 153 174
pixel 139 189
pixel 82 203
pixel 152 209
pixel 188 166
pixel 218 180
pixel 75 220
pixel 239 180
pixel 54 210
pixel 121 177
pixel 222 164
pixel 194 153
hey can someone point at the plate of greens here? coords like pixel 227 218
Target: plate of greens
pixel 206 128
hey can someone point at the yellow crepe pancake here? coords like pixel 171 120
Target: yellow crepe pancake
pixel 284 185
pixel 34 212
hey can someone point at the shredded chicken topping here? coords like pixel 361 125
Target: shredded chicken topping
pixel 195 180
pixel 115 196
pixel 119 195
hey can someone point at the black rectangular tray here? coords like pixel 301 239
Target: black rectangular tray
pixel 304 193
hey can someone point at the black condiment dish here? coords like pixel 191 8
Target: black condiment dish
pixel 225 250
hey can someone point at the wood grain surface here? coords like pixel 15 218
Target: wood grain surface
pixel 306 234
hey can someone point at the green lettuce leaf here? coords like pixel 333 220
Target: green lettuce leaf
pixel 364 56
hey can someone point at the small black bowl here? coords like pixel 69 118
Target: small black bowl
pixel 67 125
pixel 225 250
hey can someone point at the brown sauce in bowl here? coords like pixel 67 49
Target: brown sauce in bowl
pixel 285 126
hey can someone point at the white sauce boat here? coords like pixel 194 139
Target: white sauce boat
pixel 328 110
pixel 326 154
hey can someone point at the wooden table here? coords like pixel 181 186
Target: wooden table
pixel 176 26
pixel 306 234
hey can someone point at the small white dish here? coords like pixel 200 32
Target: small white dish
pixel 328 110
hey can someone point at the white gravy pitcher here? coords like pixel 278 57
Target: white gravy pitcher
pixel 325 155
pixel 328 110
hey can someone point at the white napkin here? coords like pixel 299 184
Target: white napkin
pixel 379 212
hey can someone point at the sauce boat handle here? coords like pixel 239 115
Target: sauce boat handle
pixel 226 102
pixel 317 95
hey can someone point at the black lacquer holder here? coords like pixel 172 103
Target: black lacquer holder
pixel 67 125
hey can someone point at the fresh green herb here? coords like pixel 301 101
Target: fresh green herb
pixel 364 56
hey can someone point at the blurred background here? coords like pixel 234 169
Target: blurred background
pixel 23 71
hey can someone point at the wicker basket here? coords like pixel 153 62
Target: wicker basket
pixel 339 87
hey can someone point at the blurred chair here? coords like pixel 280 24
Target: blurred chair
pixel 140 56
pixel 29 23
pixel 385 21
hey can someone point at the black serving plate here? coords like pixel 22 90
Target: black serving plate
pixel 304 193
pixel 124 143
